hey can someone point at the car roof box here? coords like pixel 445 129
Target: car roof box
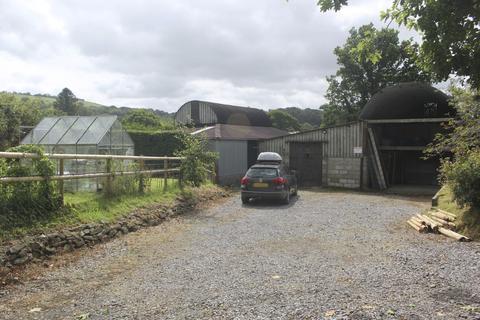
pixel 269 157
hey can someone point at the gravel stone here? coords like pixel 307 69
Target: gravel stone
pixel 327 255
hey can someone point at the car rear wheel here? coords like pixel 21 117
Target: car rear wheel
pixel 295 192
pixel 286 200
pixel 245 200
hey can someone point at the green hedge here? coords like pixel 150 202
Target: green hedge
pixel 161 143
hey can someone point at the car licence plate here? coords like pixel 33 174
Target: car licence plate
pixel 260 185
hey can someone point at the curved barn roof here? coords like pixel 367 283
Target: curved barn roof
pixel 411 100
pixel 208 113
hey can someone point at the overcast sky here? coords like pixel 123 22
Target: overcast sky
pixel 160 54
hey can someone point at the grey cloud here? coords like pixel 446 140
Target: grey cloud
pixel 266 53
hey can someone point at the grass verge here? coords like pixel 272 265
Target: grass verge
pixel 91 207
pixel 468 219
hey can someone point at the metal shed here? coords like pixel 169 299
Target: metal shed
pixel 237 147
pixel 333 156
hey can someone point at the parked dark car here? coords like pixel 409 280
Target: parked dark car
pixel 268 180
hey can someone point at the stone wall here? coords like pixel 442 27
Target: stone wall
pixel 41 247
pixel 342 172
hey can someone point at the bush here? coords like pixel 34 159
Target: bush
pixel 23 201
pixel 199 161
pixel 160 143
pixel 463 178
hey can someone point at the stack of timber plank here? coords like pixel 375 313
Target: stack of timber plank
pixel 436 221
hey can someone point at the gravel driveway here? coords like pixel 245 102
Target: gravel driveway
pixel 325 256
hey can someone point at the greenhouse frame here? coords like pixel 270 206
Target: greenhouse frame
pixel 82 135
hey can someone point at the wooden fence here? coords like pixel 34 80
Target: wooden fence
pixel 167 171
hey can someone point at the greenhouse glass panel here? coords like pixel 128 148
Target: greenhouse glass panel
pixel 77 130
pixel 34 136
pixel 97 130
pixel 58 130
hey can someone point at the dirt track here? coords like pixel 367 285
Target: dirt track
pixel 327 255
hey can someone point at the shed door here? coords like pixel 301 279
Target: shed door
pixel 306 159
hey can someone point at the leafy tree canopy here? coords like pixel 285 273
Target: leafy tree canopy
pixel 370 60
pixel 283 120
pixel 449 29
pixel 462 133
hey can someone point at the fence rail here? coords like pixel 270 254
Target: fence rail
pixel 21 155
pixel 109 174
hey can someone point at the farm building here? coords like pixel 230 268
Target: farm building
pixel 383 149
pixel 234 132
pixel 81 135
pixel 324 157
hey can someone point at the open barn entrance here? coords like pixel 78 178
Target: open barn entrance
pixel 410 168
pixel 400 150
pixel 306 159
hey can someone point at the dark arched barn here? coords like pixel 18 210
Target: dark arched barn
pixel 401 121
pixel 204 113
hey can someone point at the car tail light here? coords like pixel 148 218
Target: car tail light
pixel 280 180
pixel 244 181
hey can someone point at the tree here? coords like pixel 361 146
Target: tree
pixel 462 133
pixel 9 127
pixel 283 120
pixel 449 30
pixel 142 119
pixel 306 126
pixel 198 162
pixel 370 60
pixel 307 115
pixel 13 113
pixel 67 102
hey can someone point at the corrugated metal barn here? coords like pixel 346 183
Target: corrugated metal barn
pixel 383 149
pixel 402 120
pixel 330 157
pixel 234 132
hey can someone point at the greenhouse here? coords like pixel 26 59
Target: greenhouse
pixel 82 135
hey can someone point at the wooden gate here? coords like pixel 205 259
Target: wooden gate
pixel 306 159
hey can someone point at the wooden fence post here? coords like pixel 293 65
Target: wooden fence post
pixel 180 177
pixel 61 169
pixel 165 174
pixel 108 185
pixel 141 185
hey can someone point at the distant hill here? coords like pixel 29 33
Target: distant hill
pixel 311 116
pixel 88 108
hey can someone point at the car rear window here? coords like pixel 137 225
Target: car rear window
pixel 262 173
